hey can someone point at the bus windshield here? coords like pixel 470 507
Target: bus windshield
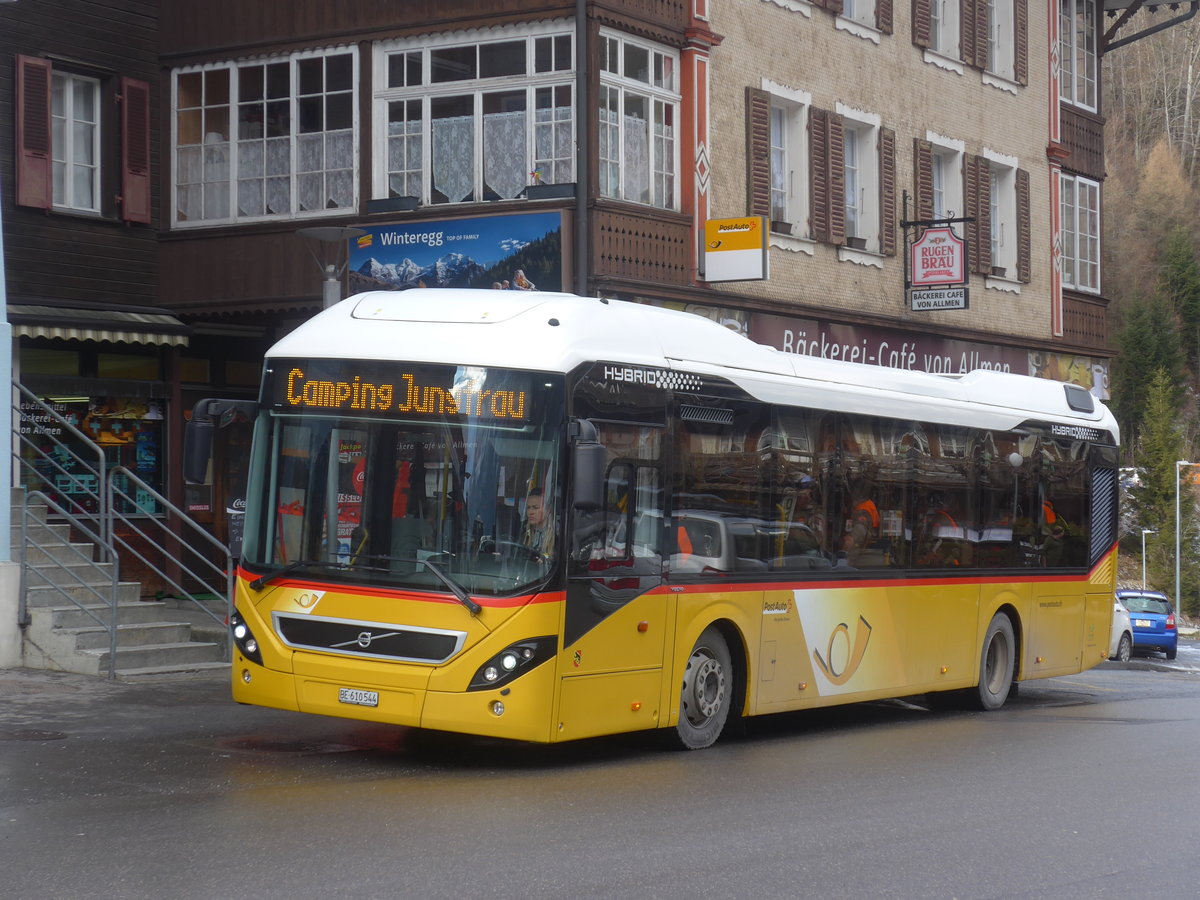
pixel 434 478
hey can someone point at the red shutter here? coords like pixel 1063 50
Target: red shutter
pixel 1024 251
pixel 920 23
pixel 35 185
pixel 135 151
pixel 883 16
pixel 758 152
pixel 887 191
pixel 1021 41
pixel 923 178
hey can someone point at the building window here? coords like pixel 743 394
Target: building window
pixel 1077 52
pixel 947 182
pixel 1080 233
pixel 944 27
pixel 74 114
pixel 270 138
pixel 639 109
pixel 1000 38
pixel 1003 215
pixel 461 122
pixel 861 176
pixel 789 176
pixel 860 11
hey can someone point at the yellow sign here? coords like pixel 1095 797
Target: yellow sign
pixel 735 249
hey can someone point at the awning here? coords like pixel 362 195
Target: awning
pixel 119 326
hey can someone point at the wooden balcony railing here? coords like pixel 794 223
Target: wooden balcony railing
pixel 650 245
pixel 1085 321
pixel 1083 136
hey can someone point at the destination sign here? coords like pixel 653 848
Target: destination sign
pixel 367 388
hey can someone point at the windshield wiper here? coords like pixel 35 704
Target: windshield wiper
pixel 258 583
pixel 455 588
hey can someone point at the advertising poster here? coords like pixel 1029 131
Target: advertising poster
pixel 511 252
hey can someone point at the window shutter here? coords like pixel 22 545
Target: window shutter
pixel 758 152
pixel 966 32
pixel 887 191
pixel 883 16
pixel 977 191
pixel 981 35
pixel 921 14
pixel 818 174
pixel 35 185
pixel 923 178
pixel 135 151
pixel 1021 41
pixel 1024 252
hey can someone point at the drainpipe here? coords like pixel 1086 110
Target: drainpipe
pixel 582 114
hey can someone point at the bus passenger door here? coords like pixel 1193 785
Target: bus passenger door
pixel 616 622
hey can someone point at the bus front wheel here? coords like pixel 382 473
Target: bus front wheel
pixel 996 663
pixel 707 692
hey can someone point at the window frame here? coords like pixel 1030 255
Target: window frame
pixel 1077 36
pixel 945 31
pixel 64 149
pixel 1001 39
pixel 1073 238
pixel 425 91
pixel 791 108
pixel 1003 235
pixel 234 166
pixel 664 102
pixel 867 222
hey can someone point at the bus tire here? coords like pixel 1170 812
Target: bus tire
pixel 997 660
pixel 707 693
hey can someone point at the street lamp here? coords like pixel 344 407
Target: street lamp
pixel 334 256
pixel 1179 463
pixel 1145 531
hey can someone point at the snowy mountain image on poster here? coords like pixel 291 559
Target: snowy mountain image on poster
pixel 516 251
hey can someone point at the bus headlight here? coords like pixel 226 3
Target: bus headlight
pixel 244 638
pixel 512 662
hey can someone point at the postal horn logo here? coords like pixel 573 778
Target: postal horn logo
pixel 856 647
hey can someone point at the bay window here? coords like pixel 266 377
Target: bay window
pixel 464 121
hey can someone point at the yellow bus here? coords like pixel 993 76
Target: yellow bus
pixel 545 517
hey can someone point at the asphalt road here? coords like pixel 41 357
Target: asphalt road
pixel 1081 787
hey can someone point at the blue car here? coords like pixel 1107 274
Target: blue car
pixel 1152 620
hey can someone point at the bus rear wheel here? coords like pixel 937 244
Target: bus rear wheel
pixel 707 692
pixel 996 663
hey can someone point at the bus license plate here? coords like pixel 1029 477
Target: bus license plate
pixel 357 697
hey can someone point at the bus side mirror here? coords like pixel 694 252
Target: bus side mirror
pixel 207 415
pixel 589 459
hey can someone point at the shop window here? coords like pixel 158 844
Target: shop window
pixel 44 361
pixel 128 365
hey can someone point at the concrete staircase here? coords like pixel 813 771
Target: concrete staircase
pixel 67 598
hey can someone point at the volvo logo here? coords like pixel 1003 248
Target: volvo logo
pixel 365 639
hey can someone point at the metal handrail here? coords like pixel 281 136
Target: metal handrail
pixel 166 532
pixel 111 568
pixel 190 560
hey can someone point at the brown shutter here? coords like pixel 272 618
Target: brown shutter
pixel 981 35
pixel 834 6
pixel 923 178
pixel 883 16
pixel 966 32
pixel 921 14
pixel 35 186
pixel 135 151
pixel 977 192
pixel 1021 41
pixel 837 180
pixel 818 174
pixel 758 152
pixel 887 192
pixel 1024 252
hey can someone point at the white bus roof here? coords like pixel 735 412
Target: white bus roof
pixel 554 332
